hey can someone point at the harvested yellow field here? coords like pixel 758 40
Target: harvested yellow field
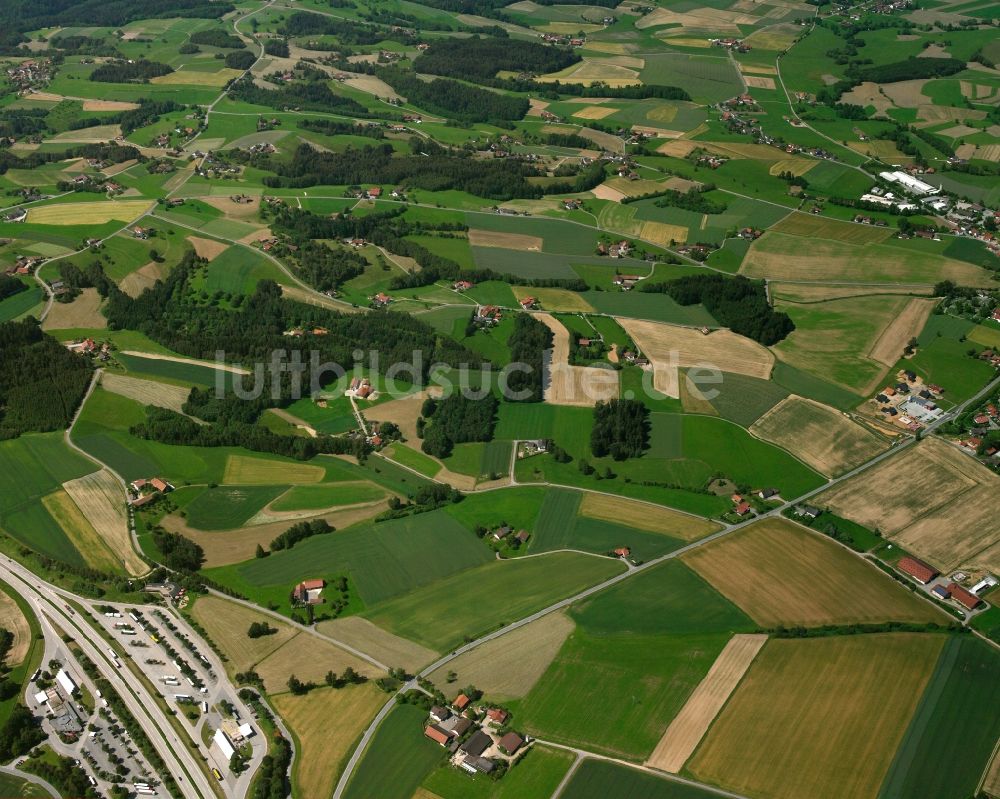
pixel 81 532
pixel 776 37
pixel 209 249
pixel 678 148
pixel 108 105
pixel 12 620
pixel 883 150
pixel 692 398
pixel 227 622
pixel 573 385
pixel 146 392
pixel 614 71
pixel 101 500
pixel 247 470
pixel 89 213
pixel 781 574
pixel 797 166
pixel 595 112
pixel 888 349
pixel 561 300
pixel 378 643
pixel 309 658
pixel 326 722
pixel 827 440
pixel 827 716
pixel 663 234
pixel 512 241
pixel 190 77
pixel 817 227
pixel 758 69
pixel 509 667
pixel 643 516
pixel 929 500
pixel 94 135
pixel 671 346
pixel 143 278
pixel 690 725
pixel 759 82
pixel 83 312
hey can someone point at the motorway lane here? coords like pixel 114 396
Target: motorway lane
pixel 193 783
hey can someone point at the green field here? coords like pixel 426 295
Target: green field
pixel 41 463
pixel 560 527
pixel 744 399
pixel 517 506
pixel 384 560
pixel 177 372
pixel 319 497
pixel 535 776
pixel 931 763
pixel 431 616
pixel 227 507
pixel 598 779
pixel 398 758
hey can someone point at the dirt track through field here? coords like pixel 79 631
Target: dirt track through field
pixel 888 349
pixel 101 499
pixel 573 385
pixel 690 725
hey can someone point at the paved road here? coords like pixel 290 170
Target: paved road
pixel 49 600
pixel 727 530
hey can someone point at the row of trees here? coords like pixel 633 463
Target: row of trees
pixel 41 382
pixel 527 344
pixel 300 532
pixel 9 286
pixel 621 429
pixel 336 127
pixel 738 303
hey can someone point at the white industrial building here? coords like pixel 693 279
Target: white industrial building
pixel 221 741
pixel 909 182
pixel 65 682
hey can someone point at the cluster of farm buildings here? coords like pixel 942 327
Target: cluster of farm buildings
pixel 946 589
pixel 146 490
pixel 476 737
pixel 909 402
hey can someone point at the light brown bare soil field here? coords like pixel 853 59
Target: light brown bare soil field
pixel 670 345
pixel 781 574
pixel 267 515
pixel 992 782
pixel 108 105
pixel 573 385
pixel 605 192
pixel 84 311
pixel 227 622
pixel 508 667
pixel 378 643
pixel 511 241
pixel 679 148
pixel 223 547
pixel 147 392
pixel 536 107
pixel 759 82
pixel 595 111
pixel 653 518
pixel 80 531
pixel 143 278
pixel 817 292
pixel 209 249
pixel 690 725
pixel 888 349
pixel 327 722
pixel 373 85
pixel 826 714
pixel 101 499
pixel 309 658
pixel 906 93
pixel 927 498
pixel 828 440
pixel 691 397
pixel 403 412
pixel 12 620
pixel 867 93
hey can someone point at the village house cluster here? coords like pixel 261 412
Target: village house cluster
pixel 909 403
pixel 475 736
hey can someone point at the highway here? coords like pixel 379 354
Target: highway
pixel 49 601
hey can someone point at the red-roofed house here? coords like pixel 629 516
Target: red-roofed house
pixel 308 591
pixel 375 192
pixel 497 715
pixel 623 552
pixel 437 735
pixel 461 702
pixel 742 509
pixel 965 598
pixel 916 569
pixel 161 485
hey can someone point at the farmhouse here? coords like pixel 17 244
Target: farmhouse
pixel 965 598
pixel 807 511
pixel 917 569
pixel 436 734
pixel 477 744
pixel 462 285
pixel 510 743
pixel 439 713
pixel 381 300
pixel 461 702
pixel 941 592
pixel 529 303
pixel 622 552
pixel 497 715
pixel 308 592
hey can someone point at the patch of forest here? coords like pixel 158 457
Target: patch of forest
pixel 478 58
pixel 527 344
pixel 738 303
pixel 140 71
pixel 621 429
pixel 456 420
pixel 41 382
